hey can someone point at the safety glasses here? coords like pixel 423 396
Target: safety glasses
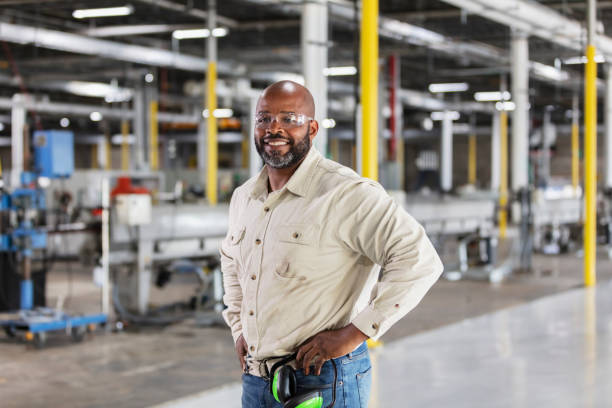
pixel 284 120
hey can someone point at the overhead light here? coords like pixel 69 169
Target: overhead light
pixel 427 123
pixel 119 139
pixel 440 115
pixel 328 123
pixel 492 96
pixel 505 106
pixel 110 93
pixel 103 12
pixel 583 60
pixel 338 71
pixel 95 116
pixel 219 113
pixel 199 33
pixel 149 78
pixel 449 87
pixel 1 126
pixel 64 122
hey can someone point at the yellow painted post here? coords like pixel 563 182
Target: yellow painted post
pixel 153 136
pixel 211 103
pixel 335 149
pixel 472 160
pixel 369 87
pixel 94 156
pixel 125 146
pixel 590 166
pixel 503 173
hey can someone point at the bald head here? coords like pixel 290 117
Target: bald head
pixel 291 91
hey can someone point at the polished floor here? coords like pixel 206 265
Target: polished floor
pixel 534 340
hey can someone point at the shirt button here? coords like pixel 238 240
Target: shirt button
pixel 267 209
pixel 252 348
pixel 375 326
pixel 253 277
pixel 397 305
pixel 296 235
pixel 258 241
pixel 251 313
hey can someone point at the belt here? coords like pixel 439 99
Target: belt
pixel 261 368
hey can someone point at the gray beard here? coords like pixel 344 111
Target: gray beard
pixel 295 154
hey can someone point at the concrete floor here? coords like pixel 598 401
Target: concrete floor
pixel 468 355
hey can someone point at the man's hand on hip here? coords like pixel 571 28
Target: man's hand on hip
pixel 241 350
pixel 327 345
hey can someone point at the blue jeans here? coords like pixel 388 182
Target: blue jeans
pixel 352 387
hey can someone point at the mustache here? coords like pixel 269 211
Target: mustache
pixel 276 136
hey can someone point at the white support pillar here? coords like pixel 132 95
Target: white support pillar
pixel 314 60
pixel 495 152
pixel 608 130
pixel 446 153
pixel 547 137
pixel 201 150
pixel 18 117
pixel 139 150
pixel 255 162
pixel 520 117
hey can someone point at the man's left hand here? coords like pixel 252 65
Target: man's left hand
pixel 327 345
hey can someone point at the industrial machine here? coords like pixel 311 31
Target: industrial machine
pixel 23 235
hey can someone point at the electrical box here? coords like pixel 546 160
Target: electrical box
pixel 54 153
pixel 133 209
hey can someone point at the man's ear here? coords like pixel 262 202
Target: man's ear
pixel 313 129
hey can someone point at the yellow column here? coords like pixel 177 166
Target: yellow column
pixel 590 166
pixel 153 136
pixel 125 146
pixel 369 87
pixel 503 173
pixel 472 160
pixel 94 156
pixel 335 149
pixel 211 104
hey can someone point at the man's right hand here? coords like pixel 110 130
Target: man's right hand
pixel 241 350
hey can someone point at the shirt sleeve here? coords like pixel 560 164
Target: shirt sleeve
pixel 375 226
pixel 232 296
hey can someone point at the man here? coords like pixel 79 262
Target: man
pixel 298 260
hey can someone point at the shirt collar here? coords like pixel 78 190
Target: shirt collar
pixel 299 182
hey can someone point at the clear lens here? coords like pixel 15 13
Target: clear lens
pixel 284 120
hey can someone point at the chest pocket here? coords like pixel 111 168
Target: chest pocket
pixel 300 234
pixel 236 235
pixel 298 248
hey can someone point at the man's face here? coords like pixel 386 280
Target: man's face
pixel 280 143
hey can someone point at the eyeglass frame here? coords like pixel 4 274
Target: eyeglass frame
pixel 280 124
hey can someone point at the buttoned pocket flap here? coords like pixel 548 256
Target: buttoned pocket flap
pixel 236 235
pixel 302 234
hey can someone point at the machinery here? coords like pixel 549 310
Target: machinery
pixel 23 235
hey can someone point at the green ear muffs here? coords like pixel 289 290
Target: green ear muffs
pixel 283 386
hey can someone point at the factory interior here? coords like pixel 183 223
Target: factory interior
pixel 490 122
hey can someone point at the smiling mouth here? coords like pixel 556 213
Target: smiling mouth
pixel 276 142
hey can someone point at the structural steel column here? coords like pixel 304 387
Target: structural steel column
pixel 18 117
pixel 608 130
pixel 547 129
pixel 153 136
pixel 472 159
pixel 139 127
pixel 125 146
pixel 495 154
pixel 590 151
pixel 314 61
pixel 503 176
pixel 369 87
pixel 575 144
pixel 520 117
pixel 446 156
pixel 211 104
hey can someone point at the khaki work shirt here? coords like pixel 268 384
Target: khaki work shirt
pixel 301 260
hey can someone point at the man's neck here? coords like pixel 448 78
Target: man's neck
pixel 277 178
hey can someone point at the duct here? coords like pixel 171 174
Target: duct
pixel 535 19
pixel 63 109
pixel 139 29
pixel 79 44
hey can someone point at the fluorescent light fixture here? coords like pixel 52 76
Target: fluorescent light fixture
pixel 549 72
pixel 492 96
pixel 64 122
pixel 328 123
pixel 1 126
pixel 449 87
pixel 110 93
pixel 338 71
pixel 118 139
pixel 219 113
pixel 199 33
pixel 427 123
pixel 95 116
pixel 505 106
pixel 583 60
pixel 103 12
pixel 440 115
pixel 149 78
